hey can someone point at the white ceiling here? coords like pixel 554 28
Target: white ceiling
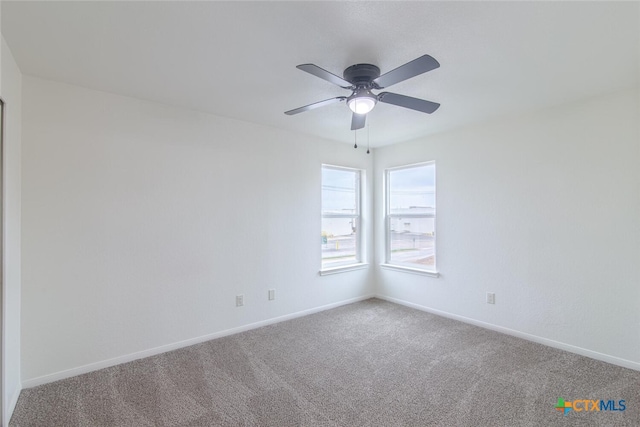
pixel 237 59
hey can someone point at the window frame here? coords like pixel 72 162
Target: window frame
pixel 358 263
pixel 408 267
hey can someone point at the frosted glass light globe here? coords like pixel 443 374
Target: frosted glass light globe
pixel 362 101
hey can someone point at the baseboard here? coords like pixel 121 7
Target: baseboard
pixel 13 401
pixel 540 340
pixel 33 382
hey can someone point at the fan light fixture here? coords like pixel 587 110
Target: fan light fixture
pixel 361 79
pixel 362 101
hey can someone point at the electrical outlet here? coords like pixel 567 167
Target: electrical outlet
pixel 239 300
pixel 272 294
pixel 491 298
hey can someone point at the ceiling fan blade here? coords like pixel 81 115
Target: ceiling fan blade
pixel 410 69
pixel 357 121
pixel 408 102
pixel 315 105
pixel 325 75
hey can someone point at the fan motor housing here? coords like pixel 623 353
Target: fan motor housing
pixel 361 74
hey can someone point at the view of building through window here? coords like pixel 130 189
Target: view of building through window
pixel 340 216
pixel 411 213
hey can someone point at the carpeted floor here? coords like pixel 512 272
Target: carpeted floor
pixel 366 364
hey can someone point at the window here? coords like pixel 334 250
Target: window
pixel 341 220
pixel 411 217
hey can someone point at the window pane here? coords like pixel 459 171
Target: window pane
pixel 339 237
pixel 412 241
pixel 339 191
pixel 413 190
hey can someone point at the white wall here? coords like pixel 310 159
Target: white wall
pixel 10 91
pixel 543 210
pixel 141 223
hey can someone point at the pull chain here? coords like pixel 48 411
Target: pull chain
pixel 368 144
pixel 355 131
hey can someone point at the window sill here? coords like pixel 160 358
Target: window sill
pixel 410 270
pixel 344 268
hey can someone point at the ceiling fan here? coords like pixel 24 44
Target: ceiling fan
pixel 361 79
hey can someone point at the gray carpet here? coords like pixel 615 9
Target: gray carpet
pixel 366 364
